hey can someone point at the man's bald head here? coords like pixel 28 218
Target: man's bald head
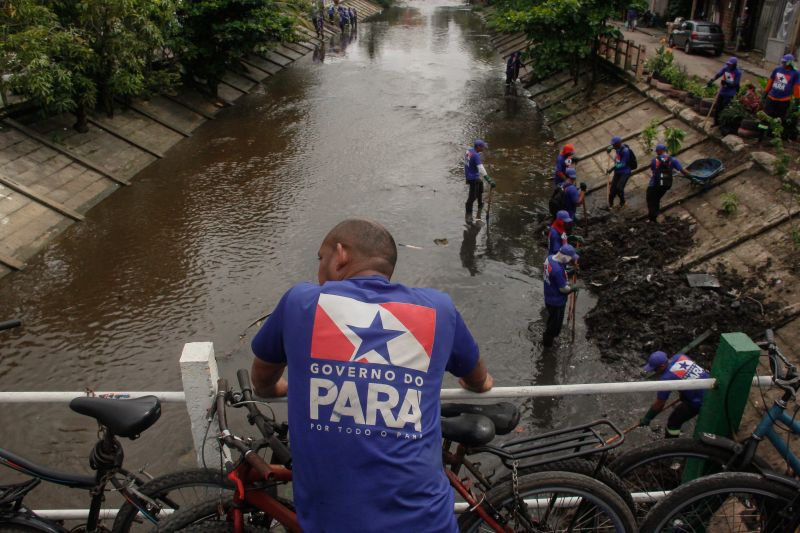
pixel 354 246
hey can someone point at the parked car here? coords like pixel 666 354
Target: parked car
pixel 698 35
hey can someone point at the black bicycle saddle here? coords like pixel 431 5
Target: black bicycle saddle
pixel 124 418
pixel 504 415
pixel 468 429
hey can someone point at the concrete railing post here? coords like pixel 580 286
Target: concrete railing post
pixel 199 375
pixel 734 367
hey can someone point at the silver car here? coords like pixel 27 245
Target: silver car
pixel 698 35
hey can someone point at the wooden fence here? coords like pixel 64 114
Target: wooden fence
pixel 624 54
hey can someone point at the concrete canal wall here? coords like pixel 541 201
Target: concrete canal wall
pixel 51 175
pixel 755 239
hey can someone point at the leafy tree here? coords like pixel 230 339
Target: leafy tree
pixel 215 34
pixel 129 41
pixel 563 32
pixel 43 60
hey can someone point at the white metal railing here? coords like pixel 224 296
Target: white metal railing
pixel 526 391
pixel 199 375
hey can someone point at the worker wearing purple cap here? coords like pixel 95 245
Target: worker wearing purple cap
pixel 623 167
pixel 559 232
pixel 731 80
pixel 475 173
pixel 663 166
pixel 573 196
pixel 676 368
pixel 782 89
pixel 556 289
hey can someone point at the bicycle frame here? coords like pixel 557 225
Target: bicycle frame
pixel 766 428
pixel 95 484
pixel 245 475
pixel 456 461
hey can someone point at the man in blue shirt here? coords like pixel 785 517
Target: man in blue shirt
pixel 559 232
pixel 782 88
pixel 564 160
pixel 662 168
pixel 621 171
pixel 572 196
pixel 731 80
pixel 366 360
pixel 556 289
pixel 330 13
pixel 677 367
pixel 474 173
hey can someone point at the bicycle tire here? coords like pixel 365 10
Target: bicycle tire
pixel 18 528
pixel 587 468
pixel 685 509
pixel 635 466
pixel 162 486
pixel 213 511
pixel 221 527
pixel 546 486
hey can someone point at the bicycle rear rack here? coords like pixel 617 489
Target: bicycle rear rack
pixel 595 437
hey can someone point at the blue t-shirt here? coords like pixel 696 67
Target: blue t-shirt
pixel 563 162
pixel 556 241
pixel 472 159
pixel 783 81
pixel 366 359
pixel 732 79
pixel 571 199
pixel 682 367
pixel 622 161
pixel 555 278
pixel 663 160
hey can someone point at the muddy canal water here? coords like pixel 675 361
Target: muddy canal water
pixel 207 239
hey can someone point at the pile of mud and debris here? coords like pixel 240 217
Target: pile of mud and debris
pixel 643 307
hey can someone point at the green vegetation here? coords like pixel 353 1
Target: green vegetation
pixel 72 55
pixel 661 61
pixel 649 135
pixel 563 32
pixel 730 203
pixel 673 139
pixel 215 34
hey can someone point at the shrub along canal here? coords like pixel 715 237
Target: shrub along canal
pixel 210 237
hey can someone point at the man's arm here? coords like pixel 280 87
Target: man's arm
pixel 656 408
pixel 677 166
pixel 479 380
pixel 267 380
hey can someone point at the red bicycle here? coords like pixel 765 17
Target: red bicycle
pixel 542 490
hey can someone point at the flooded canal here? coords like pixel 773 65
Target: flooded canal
pixel 209 238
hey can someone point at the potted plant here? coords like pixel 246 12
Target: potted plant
pixel 730 120
pixel 657 64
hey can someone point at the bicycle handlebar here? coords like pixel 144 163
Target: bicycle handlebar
pixel 280 452
pixel 790 381
pixel 10 324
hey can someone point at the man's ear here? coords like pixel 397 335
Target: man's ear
pixel 343 258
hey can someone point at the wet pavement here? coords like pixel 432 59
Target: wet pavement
pixel 208 238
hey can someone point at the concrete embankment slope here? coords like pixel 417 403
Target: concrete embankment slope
pixel 755 240
pixel 51 175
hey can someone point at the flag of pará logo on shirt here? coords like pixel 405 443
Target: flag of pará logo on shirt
pixel 685 368
pixel 391 333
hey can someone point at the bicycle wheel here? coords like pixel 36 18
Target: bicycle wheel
pixel 554 502
pixel 581 466
pixel 173 491
pixel 651 470
pixel 212 515
pixel 727 502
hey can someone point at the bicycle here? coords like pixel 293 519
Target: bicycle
pixel 654 470
pixel 145 498
pixel 542 501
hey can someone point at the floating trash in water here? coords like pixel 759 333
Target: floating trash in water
pixel 441 242
pixel 409 246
